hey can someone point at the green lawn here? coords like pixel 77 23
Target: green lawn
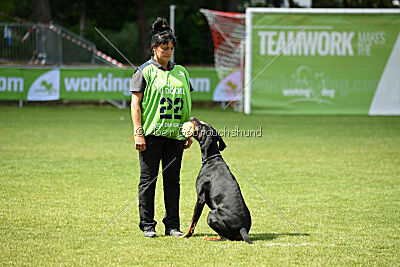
pixel 66 172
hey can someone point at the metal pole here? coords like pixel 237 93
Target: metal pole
pixel 247 65
pixel 172 22
pixel 93 53
pixel 285 3
pixel 60 56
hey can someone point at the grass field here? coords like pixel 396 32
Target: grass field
pixel 66 172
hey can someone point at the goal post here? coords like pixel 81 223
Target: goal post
pixel 247 69
pixel 322 61
pixel 228 33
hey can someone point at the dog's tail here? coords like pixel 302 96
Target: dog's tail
pixel 245 236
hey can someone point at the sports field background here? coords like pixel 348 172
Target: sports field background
pixel 66 172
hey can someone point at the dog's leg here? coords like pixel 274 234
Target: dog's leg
pixel 198 209
pixel 245 236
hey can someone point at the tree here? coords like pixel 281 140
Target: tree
pixel 141 26
pixel 82 18
pixel 232 5
pixel 41 10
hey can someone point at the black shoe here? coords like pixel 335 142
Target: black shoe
pixel 173 232
pixel 149 233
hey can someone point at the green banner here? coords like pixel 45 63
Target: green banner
pixel 37 84
pixel 204 82
pixel 11 84
pixel 93 84
pixel 333 64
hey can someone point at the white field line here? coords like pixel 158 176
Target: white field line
pixel 285 244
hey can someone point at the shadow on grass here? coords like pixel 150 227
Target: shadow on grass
pixel 271 236
pixel 256 236
pixel 205 235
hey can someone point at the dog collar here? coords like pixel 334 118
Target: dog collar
pixel 210 157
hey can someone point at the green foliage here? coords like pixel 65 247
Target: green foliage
pixel 65 173
pixel 19 8
pixel 125 39
pixel 191 48
pixel 119 20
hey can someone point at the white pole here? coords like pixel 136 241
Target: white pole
pixel 172 22
pixel 285 3
pixel 247 70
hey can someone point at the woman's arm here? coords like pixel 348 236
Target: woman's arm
pixel 136 112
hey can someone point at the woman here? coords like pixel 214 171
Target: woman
pixel 161 103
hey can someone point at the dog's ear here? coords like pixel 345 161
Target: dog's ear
pixel 221 143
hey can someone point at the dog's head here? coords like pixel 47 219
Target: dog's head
pixel 206 135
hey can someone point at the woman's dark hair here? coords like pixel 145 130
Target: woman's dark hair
pixel 162 33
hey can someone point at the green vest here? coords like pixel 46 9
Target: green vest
pixel 166 102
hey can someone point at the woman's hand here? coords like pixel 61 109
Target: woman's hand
pixel 140 143
pixel 188 143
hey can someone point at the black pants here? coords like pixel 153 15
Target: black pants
pixel 170 152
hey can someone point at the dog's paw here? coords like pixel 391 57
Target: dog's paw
pixel 188 234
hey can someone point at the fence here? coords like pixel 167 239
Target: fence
pixel 46 44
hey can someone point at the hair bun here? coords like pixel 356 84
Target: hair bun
pixel 160 25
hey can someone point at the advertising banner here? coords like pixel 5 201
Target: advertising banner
pixel 204 82
pixel 334 63
pixel 93 84
pixel 36 84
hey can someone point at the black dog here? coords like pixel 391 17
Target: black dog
pixel 217 187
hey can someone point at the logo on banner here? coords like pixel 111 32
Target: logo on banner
pixel 46 87
pixel 100 83
pixel 319 43
pixel 200 84
pixel 227 89
pixel 309 86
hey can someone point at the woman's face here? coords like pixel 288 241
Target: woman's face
pixel 163 52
